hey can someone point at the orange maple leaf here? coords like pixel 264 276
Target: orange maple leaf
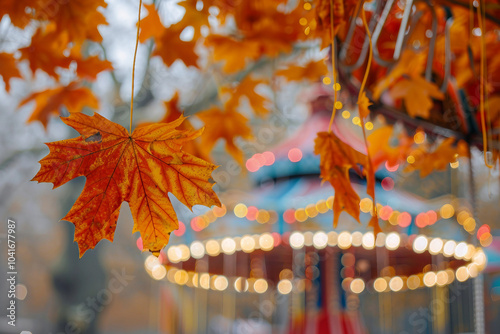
pixel 313 71
pixel 78 19
pixel 381 147
pixel 336 158
pixel 140 168
pixel 151 26
pixel 193 17
pixel 73 97
pixel 363 104
pixel 168 44
pixel 45 52
pixel 90 67
pixel 226 125
pixel 246 87
pixel 8 69
pixel 233 52
pixel 417 94
pixel 17 12
pixel 170 47
pixel 439 159
pixel 411 64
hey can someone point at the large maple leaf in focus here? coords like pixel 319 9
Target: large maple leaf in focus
pixel 336 159
pixel 140 168
pixel 49 101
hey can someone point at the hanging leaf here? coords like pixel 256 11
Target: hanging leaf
pixel 438 160
pixel 17 11
pixel 336 159
pixel 168 44
pixel 363 104
pixel 89 68
pixel 78 19
pixel 227 125
pixel 49 102
pixel 46 52
pixel 417 94
pixel 246 87
pixel 141 168
pixel 8 69
pixel 313 71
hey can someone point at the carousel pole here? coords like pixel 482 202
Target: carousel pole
pixel 478 295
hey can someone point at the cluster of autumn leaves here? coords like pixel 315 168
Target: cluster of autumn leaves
pixel 142 167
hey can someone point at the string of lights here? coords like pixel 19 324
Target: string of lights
pixel 473 257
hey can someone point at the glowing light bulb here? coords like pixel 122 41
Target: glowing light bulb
pixel 413 282
pixel 260 285
pixel 247 244
pixel 449 248
pixel 447 211
pixel 442 278
pixel 228 246
pixel 435 246
pixel 184 250
pixel 297 240
pixel 357 239
pixel 380 284
pixel 357 285
pixel 295 155
pixel 266 242
pixel 241 284
pixel 332 238
pixel 462 274
pixel 396 283
pixel 300 215
pixel 420 244
pixel 430 279
pixel 221 283
pixel 368 240
pixel 174 254
pixel 285 286
pixel 320 240
pixel 240 210
pixel 197 250
pixel 392 241
pixel 212 247
pixel 345 240
pixel 150 262
pixel 158 272
pixel 181 277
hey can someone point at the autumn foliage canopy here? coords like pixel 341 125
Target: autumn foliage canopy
pixel 248 48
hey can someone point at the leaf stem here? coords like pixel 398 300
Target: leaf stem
pixel 361 91
pixel 133 66
pixel 334 72
pixel 482 110
pixel 370 54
